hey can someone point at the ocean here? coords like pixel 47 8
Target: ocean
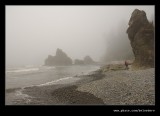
pixel 28 76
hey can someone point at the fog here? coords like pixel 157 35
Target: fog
pixel 34 32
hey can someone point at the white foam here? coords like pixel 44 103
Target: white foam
pixel 19 93
pixel 47 67
pixel 23 96
pixel 23 70
pixel 60 81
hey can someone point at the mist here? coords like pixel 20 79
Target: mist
pixel 34 32
pixel 118 45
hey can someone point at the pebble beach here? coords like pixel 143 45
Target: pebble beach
pixel 120 87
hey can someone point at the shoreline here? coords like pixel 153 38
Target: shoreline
pixel 101 87
pixel 45 95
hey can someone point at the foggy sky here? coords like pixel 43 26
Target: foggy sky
pixel 34 32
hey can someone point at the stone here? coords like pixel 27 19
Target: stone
pixel 60 58
pixel 141 35
pixel 88 60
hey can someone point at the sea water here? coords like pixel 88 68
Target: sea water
pixel 27 76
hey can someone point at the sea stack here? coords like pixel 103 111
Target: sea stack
pixel 141 35
pixel 60 59
pixel 88 60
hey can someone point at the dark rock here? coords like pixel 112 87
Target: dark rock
pixel 141 36
pixel 60 58
pixel 49 60
pixel 88 60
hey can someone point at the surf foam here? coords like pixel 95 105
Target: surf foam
pixel 61 81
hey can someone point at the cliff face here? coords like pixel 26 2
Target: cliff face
pixel 141 36
pixel 60 58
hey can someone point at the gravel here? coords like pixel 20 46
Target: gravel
pixel 124 87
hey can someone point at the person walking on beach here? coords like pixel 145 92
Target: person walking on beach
pixel 126 64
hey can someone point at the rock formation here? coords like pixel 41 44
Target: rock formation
pixel 141 36
pixel 88 60
pixel 49 61
pixel 60 58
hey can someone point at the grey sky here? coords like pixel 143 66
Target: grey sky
pixel 34 32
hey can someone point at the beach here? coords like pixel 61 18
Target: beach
pixel 120 87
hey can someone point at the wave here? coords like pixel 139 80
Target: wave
pixel 29 69
pixel 55 81
pixel 22 70
pixel 46 67
pixel 62 80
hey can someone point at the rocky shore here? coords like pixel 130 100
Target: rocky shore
pixel 112 86
pixel 124 87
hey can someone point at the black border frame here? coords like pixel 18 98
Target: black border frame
pixel 71 108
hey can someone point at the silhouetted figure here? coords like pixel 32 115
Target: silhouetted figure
pixel 126 64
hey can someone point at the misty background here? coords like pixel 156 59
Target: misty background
pixel 34 32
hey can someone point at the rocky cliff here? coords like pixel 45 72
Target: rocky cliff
pixel 60 58
pixel 141 36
